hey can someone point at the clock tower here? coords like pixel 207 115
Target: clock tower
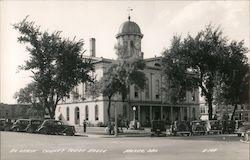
pixel 129 40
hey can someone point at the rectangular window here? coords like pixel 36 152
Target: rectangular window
pixel 96 113
pixel 67 114
pixel 202 109
pixel 193 111
pixel 136 95
pixel 157 89
pixel 157 96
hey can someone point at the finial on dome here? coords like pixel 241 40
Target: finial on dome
pixel 129 10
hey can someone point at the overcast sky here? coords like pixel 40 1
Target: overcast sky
pixel 158 20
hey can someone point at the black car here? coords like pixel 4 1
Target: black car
pixel 228 127
pixel 181 128
pixel 243 129
pixel 5 124
pixel 158 128
pixel 20 125
pixel 214 126
pixel 198 127
pixel 57 127
pixel 2 124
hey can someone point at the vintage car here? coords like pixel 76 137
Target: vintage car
pixel 243 129
pixel 228 127
pixel 20 125
pixel 158 128
pixel 5 124
pixel 198 127
pixel 181 128
pixel 214 126
pixel 51 126
pixel 238 124
pixel 33 125
pixel 2 124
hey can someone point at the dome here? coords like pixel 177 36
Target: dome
pixel 129 28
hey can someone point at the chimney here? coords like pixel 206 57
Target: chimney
pixel 92 47
pixel 142 55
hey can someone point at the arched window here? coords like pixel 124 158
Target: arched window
pixel 86 112
pixel 136 90
pixel 157 65
pixel 96 113
pixel 77 115
pixel 67 114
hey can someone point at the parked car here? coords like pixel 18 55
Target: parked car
pixel 243 129
pixel 33 125
pixel 20 125
pixel 51 126
pixel 181 128
pixel 198 127
pixel 158 128
pixel 2 124
pixel 238 124
pixel 228 127
pixel 213 126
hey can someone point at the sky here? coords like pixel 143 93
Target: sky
pixel 159 22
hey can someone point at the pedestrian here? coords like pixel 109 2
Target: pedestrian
pixel 127 124
pixel 84 126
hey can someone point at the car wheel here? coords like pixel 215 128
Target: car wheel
pixel 30 130
pixel 69 134
pixel 16 129
pixel 43 131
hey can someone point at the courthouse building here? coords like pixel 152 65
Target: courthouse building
pixel 150 104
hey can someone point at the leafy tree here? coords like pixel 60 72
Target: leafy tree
pixel 29 95
pixel 234 80
pixel 199 61
pixel 55 62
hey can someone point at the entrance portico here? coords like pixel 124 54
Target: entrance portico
pixel 146 113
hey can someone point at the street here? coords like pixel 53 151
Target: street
pixel 24 146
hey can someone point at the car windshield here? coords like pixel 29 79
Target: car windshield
pixel 36 122
pixel 22 122
pixel 54 123
pixel 2 121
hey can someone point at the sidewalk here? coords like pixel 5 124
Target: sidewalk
pixel 100 132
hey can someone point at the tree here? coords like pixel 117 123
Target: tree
pixel 29 95
pixel 55 62
pixel 199 61
pixel 234 83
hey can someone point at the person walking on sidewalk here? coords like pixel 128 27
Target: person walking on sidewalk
pixel 84 126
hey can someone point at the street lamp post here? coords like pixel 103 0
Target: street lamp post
pixel 241 114
pixel 134 109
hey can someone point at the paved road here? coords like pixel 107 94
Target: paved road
pixel 23 146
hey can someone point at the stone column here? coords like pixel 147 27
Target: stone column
pixel 181 113
pixel 161 113
pixel 139 113
pixel 171 114
pixel 188 113
pixel 150 113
